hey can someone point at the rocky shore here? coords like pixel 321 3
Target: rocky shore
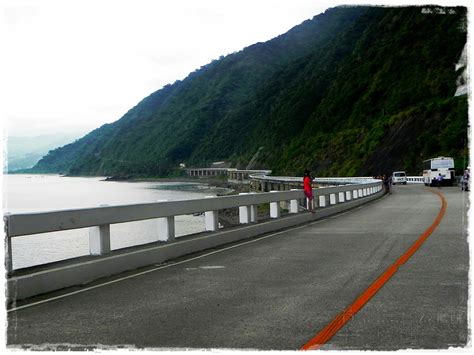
pixel 227 217
pixel 218 182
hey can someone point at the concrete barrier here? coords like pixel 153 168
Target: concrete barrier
pixel 102 262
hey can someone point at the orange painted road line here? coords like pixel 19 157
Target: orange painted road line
pixel 332 328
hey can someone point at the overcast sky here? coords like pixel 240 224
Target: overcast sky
pixel 69 65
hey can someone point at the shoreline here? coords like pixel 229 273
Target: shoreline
pixel 210 181
pixel 219 182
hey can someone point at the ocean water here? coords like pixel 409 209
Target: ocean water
pixel 35 193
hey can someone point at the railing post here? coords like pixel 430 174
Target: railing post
pixel 341 197
pixel 253 212
pixel 166 229
pixel 275 208
pixel 322 201
pixel 212 219
pixel 332 199
pixel 244 212
pixel 294 204
pixel 348 195
pixel 99 239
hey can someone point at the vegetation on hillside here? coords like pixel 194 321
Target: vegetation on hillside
pixel 354 91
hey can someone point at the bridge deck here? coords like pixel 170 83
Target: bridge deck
pixel 279 291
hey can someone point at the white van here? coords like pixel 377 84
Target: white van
pixel 399 177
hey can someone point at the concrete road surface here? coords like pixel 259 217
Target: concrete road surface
pixel 279 291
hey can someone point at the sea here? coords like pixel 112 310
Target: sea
pixel 38 193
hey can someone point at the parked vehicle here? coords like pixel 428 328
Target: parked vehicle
pixel 433 168
pixel 399 177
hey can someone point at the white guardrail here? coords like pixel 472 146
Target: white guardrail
pixel 327 180
pixel 415 179
pixel 99 220
pixel 318 180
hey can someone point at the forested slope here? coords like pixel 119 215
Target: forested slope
pixel 354 91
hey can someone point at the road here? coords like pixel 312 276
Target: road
pixel 277 292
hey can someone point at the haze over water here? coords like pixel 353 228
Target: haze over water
pixel 35 193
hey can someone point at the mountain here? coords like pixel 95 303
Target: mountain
pixel 353 91
pixel 25 152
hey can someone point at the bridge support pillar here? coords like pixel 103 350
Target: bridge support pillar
pixel 99 239
pixel 166 231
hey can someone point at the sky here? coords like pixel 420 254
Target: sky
pixel 74 65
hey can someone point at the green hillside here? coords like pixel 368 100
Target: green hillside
pixel 354 91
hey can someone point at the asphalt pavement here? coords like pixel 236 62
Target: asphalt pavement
pixel 278 291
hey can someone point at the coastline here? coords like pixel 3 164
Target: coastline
pixel 211 181
pixel 227 217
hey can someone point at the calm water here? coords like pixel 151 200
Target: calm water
pixel 33 193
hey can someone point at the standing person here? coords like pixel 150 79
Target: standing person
pixel 308 190
pixel 386 183
pixel 465 181
pixel 439 180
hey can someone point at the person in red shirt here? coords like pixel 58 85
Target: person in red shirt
pixel 308 190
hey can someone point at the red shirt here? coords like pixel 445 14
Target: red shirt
pixel 307 184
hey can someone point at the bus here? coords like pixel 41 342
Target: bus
pixel 432 168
